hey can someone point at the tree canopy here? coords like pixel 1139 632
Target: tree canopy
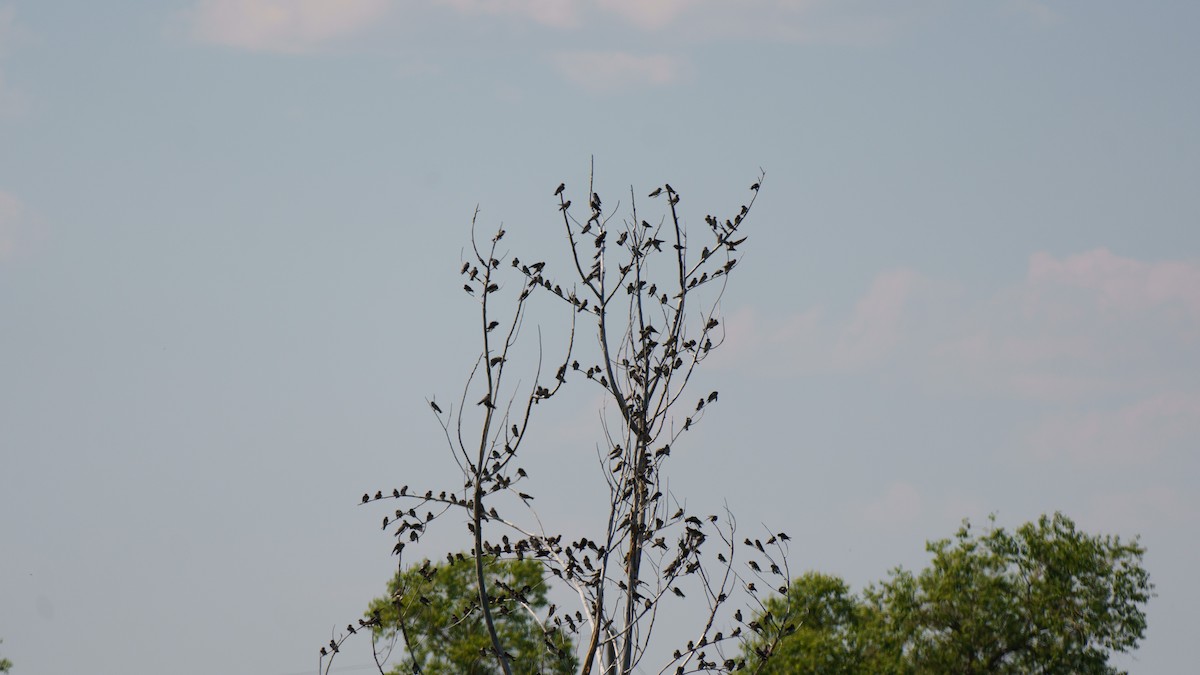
pixel 1046 598
pixel 432 611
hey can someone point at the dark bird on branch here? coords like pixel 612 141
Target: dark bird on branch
pixel 657 192
pixel 565 205
pixel 561 187
pixel 436 409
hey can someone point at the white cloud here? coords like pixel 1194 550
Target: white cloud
pixel 1100 350
pixel 1140 510
pixel 555 13
pixel 11 32
pixel 287 26
pixel 8 23
pixel 820 21
pixel 646 15
pixel 816 340
pixel 1038 12
pixel 1134 433
pixel 1119 285
pixel 900 504
pixel 604 71
pixel 10 216
pixel 875 327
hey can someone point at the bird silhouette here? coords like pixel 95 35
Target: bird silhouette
pixel 561 187
pixel 436 409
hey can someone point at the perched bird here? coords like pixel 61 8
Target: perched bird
pixel 436 409
pixel 657 192
pixel 366 498
pixel 565 205
pixel 561 187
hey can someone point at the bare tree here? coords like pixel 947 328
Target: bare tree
pixel 650 301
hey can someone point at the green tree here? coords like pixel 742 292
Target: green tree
pixel 433 612
pixel 1046 598
pixel 5 664
pixel 826 621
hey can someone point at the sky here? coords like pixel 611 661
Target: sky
pixel 230 235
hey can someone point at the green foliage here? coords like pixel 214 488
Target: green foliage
pixel 1044 599
pixel 827 621
pixel 5 664
pixel 434 610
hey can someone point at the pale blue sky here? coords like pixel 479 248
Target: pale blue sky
pixel 229 240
